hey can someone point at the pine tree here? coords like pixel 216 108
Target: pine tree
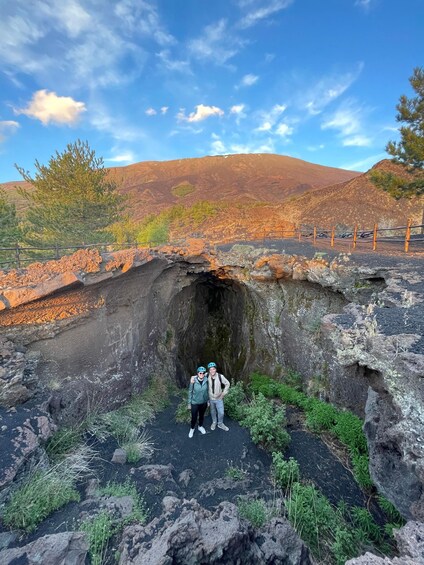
pixel 74 202
pixel 409 151
pixel 9 229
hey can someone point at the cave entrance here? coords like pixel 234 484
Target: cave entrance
pixel 211 321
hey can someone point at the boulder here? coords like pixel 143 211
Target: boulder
pixel 66 548
pixel 188 534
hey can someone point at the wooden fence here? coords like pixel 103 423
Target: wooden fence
pixel 403 236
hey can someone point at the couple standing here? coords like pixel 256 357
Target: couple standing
pixel 207 388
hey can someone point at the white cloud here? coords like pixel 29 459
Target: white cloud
pixel 84 43
pixel 249 80
pixel 347 119
pixel 113 125
pixel 315 147
pixel 217 44
pixel 328 89
pixel 261 9
pixel 218 147
pixel 122 158
pixel 284 130
pixel 269 119
pixel 150 112
pixel 357 141
pixel 48 107
pixel 164 109
pixel 202 112
pixel 7 127
pixel 170 64
pixel 364 4
pixel 237 109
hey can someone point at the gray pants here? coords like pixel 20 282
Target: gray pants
pixel 217 408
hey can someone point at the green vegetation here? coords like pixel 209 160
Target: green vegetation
pixel 235 473
pixel 183 189
pixel 320 417
pixel 235 402
pixel 255 511
pixel 102 527
pixel 266 423
pixel 285 472
pixel 73 201
pixel 9 228
pixel 409 151
pixel 46 490
pixel 63 441
pixel 333 535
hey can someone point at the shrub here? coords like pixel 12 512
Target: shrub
pixel 235 402
pixel 266 423
pixel 391 512
pixel 255 511
pixel 44 491
pixel 285 472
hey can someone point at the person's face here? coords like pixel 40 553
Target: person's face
pixel 212 371
pixel 201 376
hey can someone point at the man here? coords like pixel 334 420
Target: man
pixel 218 388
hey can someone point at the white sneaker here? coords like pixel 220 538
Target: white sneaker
pixel 201 429
pixel 223 427
pixel 213 426
pixel 191 432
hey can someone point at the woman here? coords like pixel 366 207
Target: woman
pixel 198 397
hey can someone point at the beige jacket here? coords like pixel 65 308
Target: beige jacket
pixel 215 392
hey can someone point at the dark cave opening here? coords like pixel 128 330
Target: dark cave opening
pixel 212 319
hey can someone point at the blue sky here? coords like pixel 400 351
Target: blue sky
pixel 167 79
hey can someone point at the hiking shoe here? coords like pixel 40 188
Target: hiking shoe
pixel 201 429
pixel 223 427
pixel 213 426
pixel 191 433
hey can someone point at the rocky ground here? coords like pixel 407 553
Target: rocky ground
pixel 190 499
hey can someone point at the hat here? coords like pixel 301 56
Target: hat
pixel 212 364
pixel 201 370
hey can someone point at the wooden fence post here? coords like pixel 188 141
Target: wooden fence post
pixel 56 251
pixel 355 235
pixel 374 239
pixel 333 230
pixel 315 235
pixel 408 235
pixel 18 257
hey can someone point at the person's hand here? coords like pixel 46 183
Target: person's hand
pixel 189 407
pixel 192 380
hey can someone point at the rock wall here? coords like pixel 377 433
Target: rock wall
pixel 353 331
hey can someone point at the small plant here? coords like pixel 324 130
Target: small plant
pixel 320 415
pixel 99 530
pixel 63 441
pixel 391 512
pixel 266 423
pixel 235 473
pixel 139 513
pixel 361 471
pixel 285 472
pixel 255 511
pixel 138 446
pixel 293 378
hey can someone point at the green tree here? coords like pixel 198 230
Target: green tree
pixel 409 151
pixel 74 201
pixel 9 228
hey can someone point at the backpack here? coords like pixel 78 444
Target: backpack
pixel 220 381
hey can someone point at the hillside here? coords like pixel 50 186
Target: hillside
pixel 153 186
pixel 355 201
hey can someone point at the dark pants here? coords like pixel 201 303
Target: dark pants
pixel 198 409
